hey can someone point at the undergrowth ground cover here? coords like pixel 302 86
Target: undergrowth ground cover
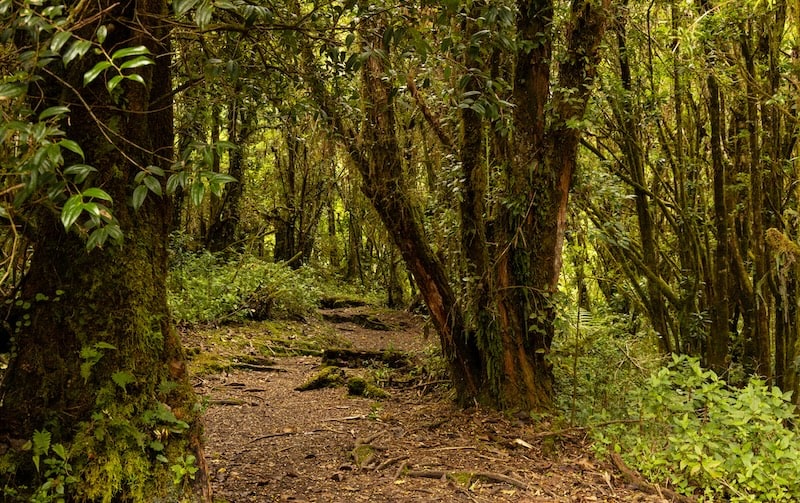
pixel 692 432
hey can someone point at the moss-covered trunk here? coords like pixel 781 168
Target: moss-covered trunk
pixel 98 363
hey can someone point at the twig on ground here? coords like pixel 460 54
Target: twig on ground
pixel 348 418
pixel 632 477
pixel 273 435
pixel 256 368
pixel 491 476
pixel 389 462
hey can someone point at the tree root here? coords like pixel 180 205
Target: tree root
pixel 633 478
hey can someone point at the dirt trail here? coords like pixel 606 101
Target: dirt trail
pixel 268 442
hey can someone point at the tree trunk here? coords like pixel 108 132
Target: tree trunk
pixel 224 227
pixel 100 365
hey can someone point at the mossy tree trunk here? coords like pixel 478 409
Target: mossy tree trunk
pixel 99 365
pixel 497 342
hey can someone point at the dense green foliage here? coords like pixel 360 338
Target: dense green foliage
pixel 703 437
pixel 208 288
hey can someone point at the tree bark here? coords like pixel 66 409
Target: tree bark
pixel 100 365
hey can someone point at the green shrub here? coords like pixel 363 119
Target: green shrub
pixel 207 288
pixel 703 437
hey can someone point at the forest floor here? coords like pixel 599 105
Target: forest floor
pixel 266 441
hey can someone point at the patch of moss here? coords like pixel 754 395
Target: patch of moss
pixel 461 478
pixel 358 386
pixel 327 377
pixel 363 454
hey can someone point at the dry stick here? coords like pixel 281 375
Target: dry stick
pixel 390 462
pixel 430 383
pixel 491 476
pixel 634 478
pixel 400 469
pixel 272 435
pixel 258 368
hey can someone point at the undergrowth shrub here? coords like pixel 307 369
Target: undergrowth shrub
pixel 702 437
pixel 204 288
pixel 596 360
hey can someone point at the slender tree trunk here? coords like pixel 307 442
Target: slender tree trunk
pixel 224 226
pixel 100 365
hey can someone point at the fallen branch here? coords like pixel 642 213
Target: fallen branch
pixel 256 368
pixel 231 401
pixel 633 478
pixel 490 476
pixel 272 435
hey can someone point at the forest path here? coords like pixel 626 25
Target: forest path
pixel 265 441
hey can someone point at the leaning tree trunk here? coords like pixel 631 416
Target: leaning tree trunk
pixel 100 366
pixel 379 161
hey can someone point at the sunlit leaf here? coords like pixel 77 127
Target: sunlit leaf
pixel 53 111
pixel 97 193
pixel 71 211
pixel 180 7
pixel 136 78
pixel 113 82
pixel 76 50
pixel 136 63
pixel 71 146
pixel 58 40
pixel 95 71
pixel 101 33
pixel 130 51
pixel 79 171
pixel 12 90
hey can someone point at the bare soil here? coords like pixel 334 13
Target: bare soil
pixel 267 442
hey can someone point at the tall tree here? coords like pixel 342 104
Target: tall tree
pixel 497 345
pixel 98 364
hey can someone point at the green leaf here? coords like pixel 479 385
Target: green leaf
pixel 153 184
pixel 181 7
pixel 113 82
pixel 41 442
pixel 79 171
pixel 104 345
pixel 123 378
pixel 136 78
pixel 71 211
pixel 58 40
pixel 155 170
pixel 76 50
pixel 203 14
pixel 53 111
pixel 97 193
pixel 12 90
pixel 139 195
pixel 130 51
pixel 136 63
pixel 176 180
pixel 97 238
pixel 197 192
pixel 60 451
pixel 96 70
pixel 101 33
pixel 71 146
pixel 222 178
